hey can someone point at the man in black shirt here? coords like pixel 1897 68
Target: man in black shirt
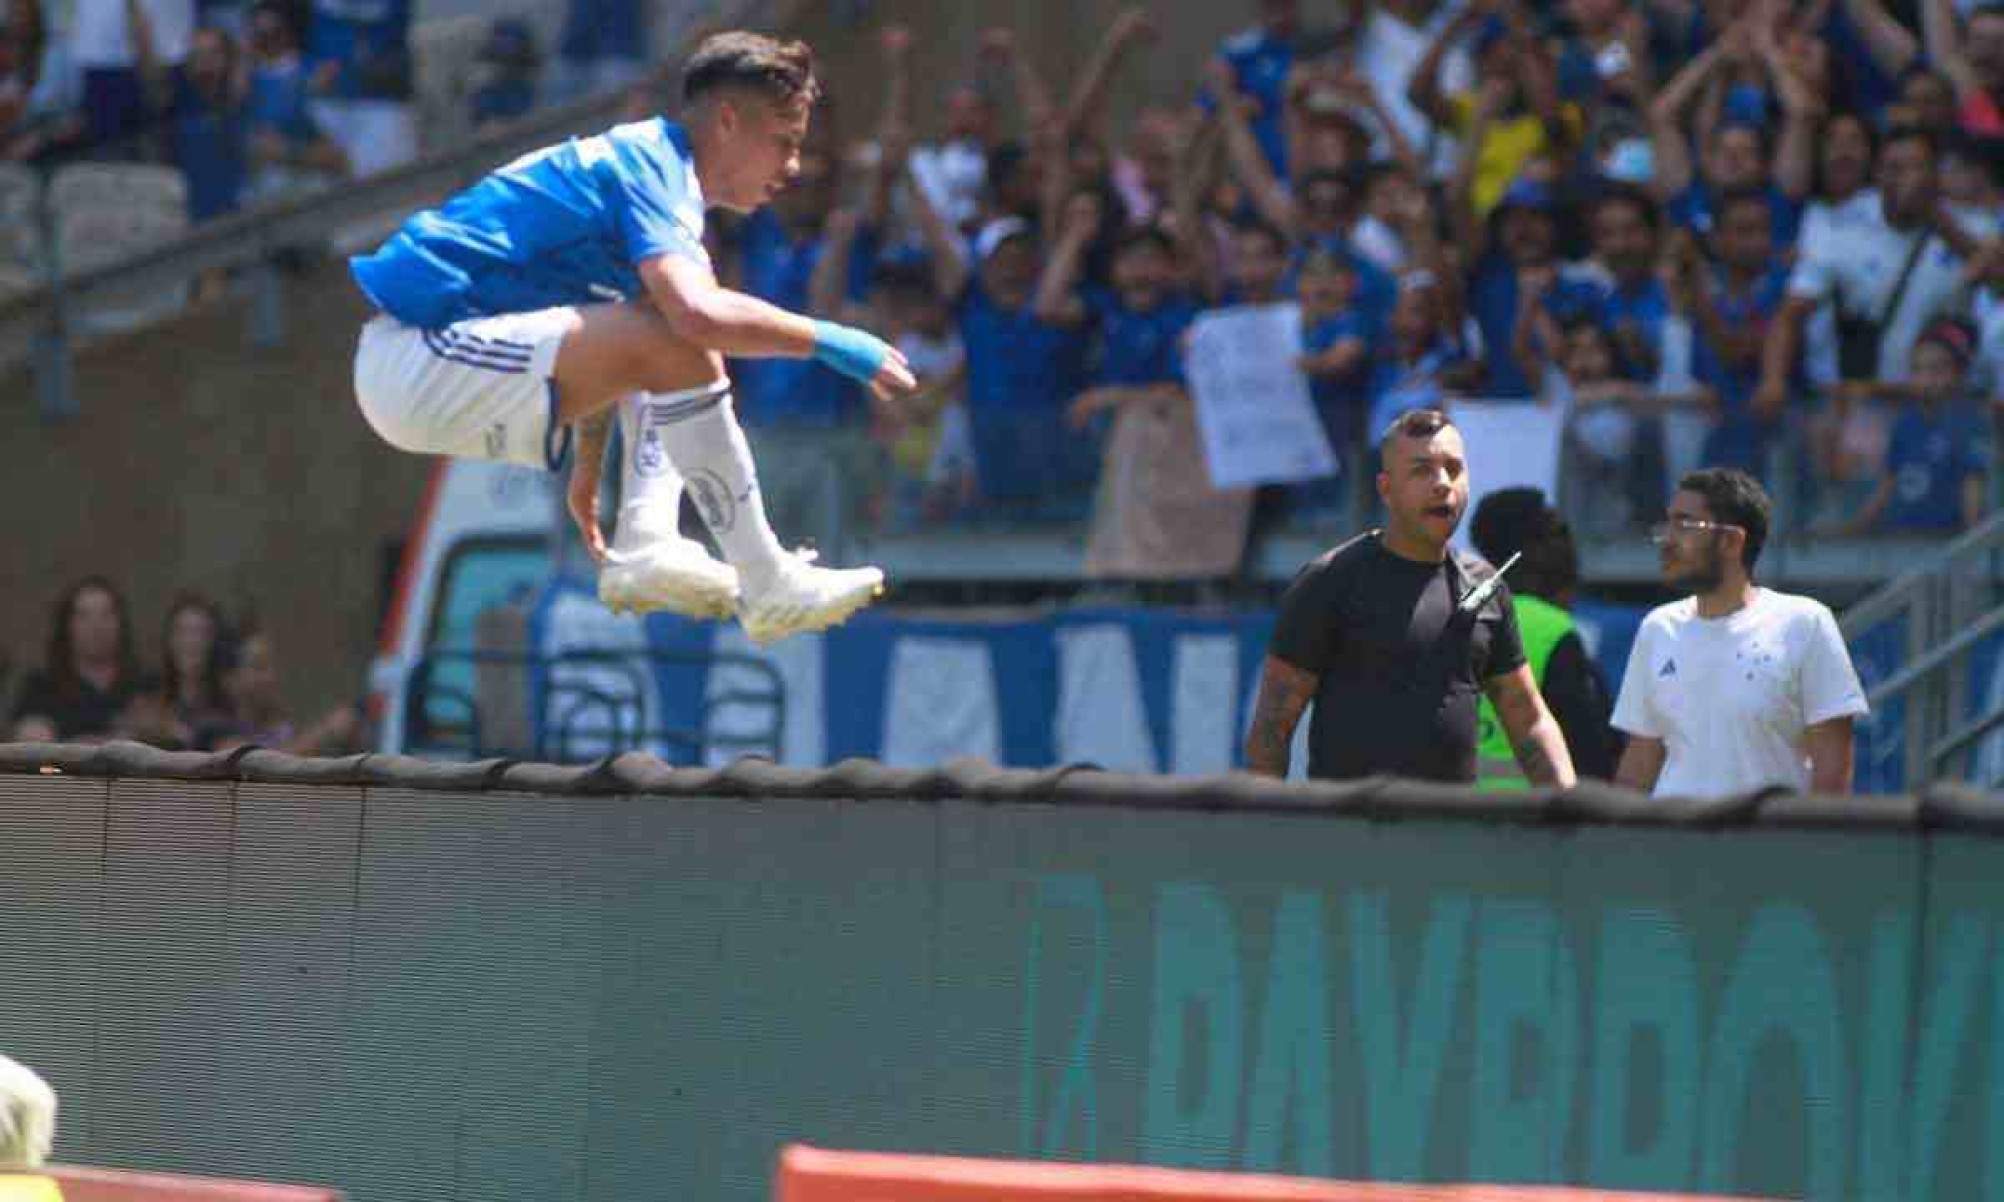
pixel 1393 638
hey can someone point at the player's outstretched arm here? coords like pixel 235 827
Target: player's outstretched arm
pixel 703 312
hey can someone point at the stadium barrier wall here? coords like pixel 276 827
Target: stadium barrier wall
pixel 491 980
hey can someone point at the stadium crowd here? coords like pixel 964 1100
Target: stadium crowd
pixel 1715 233
pixel 217 684
pixel 1712 231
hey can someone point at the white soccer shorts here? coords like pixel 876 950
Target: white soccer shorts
pixel 476 389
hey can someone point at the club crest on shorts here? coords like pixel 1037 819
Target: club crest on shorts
pixel 649 459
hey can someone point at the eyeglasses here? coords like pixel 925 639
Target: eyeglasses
pixel 1663 532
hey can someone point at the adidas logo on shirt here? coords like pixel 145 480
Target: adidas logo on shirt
pixel 1669 668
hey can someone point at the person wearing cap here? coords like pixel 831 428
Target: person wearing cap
pixel 1021 370
pixel 1517 521
pixel 27 1131
pixel 1937 455
pixel 1516 253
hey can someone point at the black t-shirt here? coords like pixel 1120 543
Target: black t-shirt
pixel 90 712
pixel 1400 670
pixel 1579 700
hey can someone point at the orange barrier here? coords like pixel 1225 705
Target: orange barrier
pixel 818 1175
pixel 117 1185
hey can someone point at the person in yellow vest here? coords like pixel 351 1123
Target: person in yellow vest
pixel 1518 521
pixel 27 1130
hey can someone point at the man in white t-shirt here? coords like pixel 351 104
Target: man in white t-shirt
pixel 1736 687
pixel 1897 269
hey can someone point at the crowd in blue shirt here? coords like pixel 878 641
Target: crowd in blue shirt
pixel 1444 191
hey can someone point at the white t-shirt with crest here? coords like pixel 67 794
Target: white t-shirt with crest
pixel 1733 697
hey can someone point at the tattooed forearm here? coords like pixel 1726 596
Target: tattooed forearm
pixel 592 435
pixel 1535 736
pixel 1536 764
pixel 1543 756
pixel 1284 692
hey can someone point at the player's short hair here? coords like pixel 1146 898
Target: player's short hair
pixel 1735 499
pixel 27 1116
pixel 1413 423
pixel 783 71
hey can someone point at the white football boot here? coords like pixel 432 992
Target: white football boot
pixel 800 598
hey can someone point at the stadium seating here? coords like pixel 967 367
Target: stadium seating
pixel 20 220
pixel 105 212
pixel 446 52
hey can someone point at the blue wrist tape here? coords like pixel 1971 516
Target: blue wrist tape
pixel 849 351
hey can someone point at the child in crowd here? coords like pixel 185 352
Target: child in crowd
pixel 1421 362
pixel 925 436
pixel 1733 302
pixel 1336 346
pixel 1938 455
pixel 1136 329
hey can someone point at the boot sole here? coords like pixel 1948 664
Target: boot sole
pixel 682 595
pixel 765 634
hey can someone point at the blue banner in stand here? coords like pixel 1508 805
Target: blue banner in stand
pixel 1148 690
pixel 1145 690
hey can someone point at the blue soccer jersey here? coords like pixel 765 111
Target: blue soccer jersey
pixel 567 225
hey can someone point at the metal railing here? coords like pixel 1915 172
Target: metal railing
pixel 1947 603
pixel 584 703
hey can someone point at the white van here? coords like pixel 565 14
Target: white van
pixel 455 676
pixel 485 534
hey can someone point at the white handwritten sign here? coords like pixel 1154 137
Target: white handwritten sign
pixel 1253 406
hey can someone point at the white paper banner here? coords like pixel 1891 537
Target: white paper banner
pixel 1511 444
pixel 1253 406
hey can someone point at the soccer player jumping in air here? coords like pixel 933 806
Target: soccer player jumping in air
pixel 574 281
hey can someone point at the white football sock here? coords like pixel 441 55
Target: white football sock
pixel 650 486
pixel 699 430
